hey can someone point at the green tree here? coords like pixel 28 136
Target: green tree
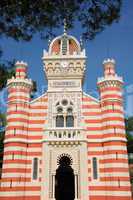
pixel 7 70
pixel 2 119
pixel 129 128
pixel 2 134
pixel 20 19
pixel 1 142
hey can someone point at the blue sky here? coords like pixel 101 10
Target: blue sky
pixel 116 41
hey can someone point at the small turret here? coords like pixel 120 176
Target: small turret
pixel 21 69
pixel 109 67
pixel 110 85
pixel 19 87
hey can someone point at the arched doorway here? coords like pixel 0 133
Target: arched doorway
pixel 64 180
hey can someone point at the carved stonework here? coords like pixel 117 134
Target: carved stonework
pixel 72 98
pixel 69 68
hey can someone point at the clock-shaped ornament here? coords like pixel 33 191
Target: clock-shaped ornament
pixel 64 64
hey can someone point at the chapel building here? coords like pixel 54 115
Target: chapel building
pixel 65 144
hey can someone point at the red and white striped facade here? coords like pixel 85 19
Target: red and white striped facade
pixel 98 132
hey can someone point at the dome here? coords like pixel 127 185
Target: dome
pixel 64 45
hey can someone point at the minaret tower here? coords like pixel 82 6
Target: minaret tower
pixel 113 127
pixel 15 147
pixel 64 66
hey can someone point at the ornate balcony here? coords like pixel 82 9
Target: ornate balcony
pixel 65 134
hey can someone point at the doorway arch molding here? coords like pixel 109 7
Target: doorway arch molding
pixel 66 155
pixel 55 155
pixel 79 165
pixel 73 154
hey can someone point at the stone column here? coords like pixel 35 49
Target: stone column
pixel 53 186
pixel 76 184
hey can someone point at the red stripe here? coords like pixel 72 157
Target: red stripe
pixel 24 128
pixel 21 198
pixel 114 169
pixel 26 120
pixel 38 107
pixel 16 161
pixel 115 88
pixel 18 97
pixel 112 96
pixel 111 160
pixel 90 106
pixel 112 197
pixel 25 90
pixel 23 153
pixel 109 188
pixel 21 70
pixel 21 188
pixel 16 170
pixel 16 179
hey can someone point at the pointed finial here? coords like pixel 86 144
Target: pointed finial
pixel 65 26
pixel 81 42
pixel 49 40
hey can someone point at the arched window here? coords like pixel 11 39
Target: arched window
pixel 35 168
pixel 69 121
pixel 59 121
pixel 64 114
pixel 69 118
pixel 95 171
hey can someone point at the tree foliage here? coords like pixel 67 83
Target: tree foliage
pixel 129 128
pixel 129 124
pixel 1 143
pixel 2 119
pixel 20 19
pixel 2 133
pixel 7 70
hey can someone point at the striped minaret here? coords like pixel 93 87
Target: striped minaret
pixel 15 144
pixel 115 161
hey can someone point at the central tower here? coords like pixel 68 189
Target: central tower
pixel 64 66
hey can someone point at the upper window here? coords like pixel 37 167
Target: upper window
pixel 69 118
pixel 59 121
pixel 64 116
pixel 69 121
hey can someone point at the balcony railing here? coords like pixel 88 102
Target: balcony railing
pixel 65 134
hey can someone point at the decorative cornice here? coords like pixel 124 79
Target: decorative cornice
pixel 73 69
pixel 21 63
pixel 21 82
pixel 110 81
pixel 108 60
pixel 47 56
pixel 64 143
